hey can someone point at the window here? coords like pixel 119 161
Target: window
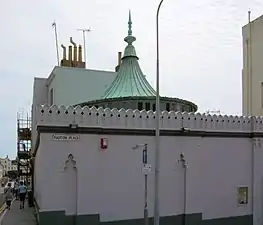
pixel 140 106
pixel 147 106
pixel 242 195
pixel 168 107
pixel 51 96
pixel 154 107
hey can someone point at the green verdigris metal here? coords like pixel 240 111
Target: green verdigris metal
pixel 130 81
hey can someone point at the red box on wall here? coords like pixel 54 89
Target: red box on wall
pixel 103 143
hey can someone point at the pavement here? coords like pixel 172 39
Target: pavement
pixel 17 216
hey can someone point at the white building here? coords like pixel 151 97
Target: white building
pixel 8 165
pixel 1 171
pixel 103 181
pixel 252 81
pixel 86 171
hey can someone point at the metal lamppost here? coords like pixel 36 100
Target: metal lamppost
pixel 157 131
pixel 146 170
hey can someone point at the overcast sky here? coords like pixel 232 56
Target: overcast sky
pixel 200 48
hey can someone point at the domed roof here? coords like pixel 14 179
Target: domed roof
pixel 130 81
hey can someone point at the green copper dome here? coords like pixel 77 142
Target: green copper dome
pixel 130 81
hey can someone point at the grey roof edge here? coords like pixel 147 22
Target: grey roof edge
pixel 40 78
pixel 253 21
pixel 84 69
pixel 53 74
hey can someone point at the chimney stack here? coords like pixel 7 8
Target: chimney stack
pixel 80 54
pixel 74 52
pixel 70 55
pixel 75 59
pixel 119 62
pixel 64 52
pixel 119 58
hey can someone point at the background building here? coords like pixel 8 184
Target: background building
pixel 1 171
pixel 8 165
pixel 24 138
pixel 126 87
pixel 252 73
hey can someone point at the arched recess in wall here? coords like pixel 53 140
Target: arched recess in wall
pixel 70 186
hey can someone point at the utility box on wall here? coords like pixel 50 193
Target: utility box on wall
pixel 103 144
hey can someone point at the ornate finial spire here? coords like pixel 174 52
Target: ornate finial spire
pixel 129 39
pixel 130 80
pixel 130 24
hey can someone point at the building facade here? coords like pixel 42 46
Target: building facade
pixel 8 165
pixel 252 79
pixel 93 156
pixel 131 90
pixel 126 87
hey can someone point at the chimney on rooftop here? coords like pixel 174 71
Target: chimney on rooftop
pixel 64 52
pixel 80 54
pixel 74 60
pixel 119 62
pixel 70 55
pixel 74 52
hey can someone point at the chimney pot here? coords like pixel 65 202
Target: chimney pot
pixel 119 58
pixel 80 54
pixel 70 55
pixel 64 52
pixel 74 52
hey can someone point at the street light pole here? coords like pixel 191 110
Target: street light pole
pixel 157 131
pixel 146 170
pixel 145 162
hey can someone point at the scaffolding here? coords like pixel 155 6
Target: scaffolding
pixel 24 167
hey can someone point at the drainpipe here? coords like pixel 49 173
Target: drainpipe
pixel 253 169
pixel 77 197
pixel 184 165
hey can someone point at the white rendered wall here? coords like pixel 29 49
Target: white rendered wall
pixel 76 85
pixel 252 55
pixel 217 166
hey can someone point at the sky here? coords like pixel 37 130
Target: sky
pixel 200 48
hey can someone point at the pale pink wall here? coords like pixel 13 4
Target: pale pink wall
pixel 217 166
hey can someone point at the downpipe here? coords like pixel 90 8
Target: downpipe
pixel 253 141
pixel 77 197
pixel 184 166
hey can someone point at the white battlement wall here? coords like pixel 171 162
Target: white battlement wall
pixel 129 119
pixel 217 165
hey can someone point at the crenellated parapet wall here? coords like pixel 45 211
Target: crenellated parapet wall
pixel 135 119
